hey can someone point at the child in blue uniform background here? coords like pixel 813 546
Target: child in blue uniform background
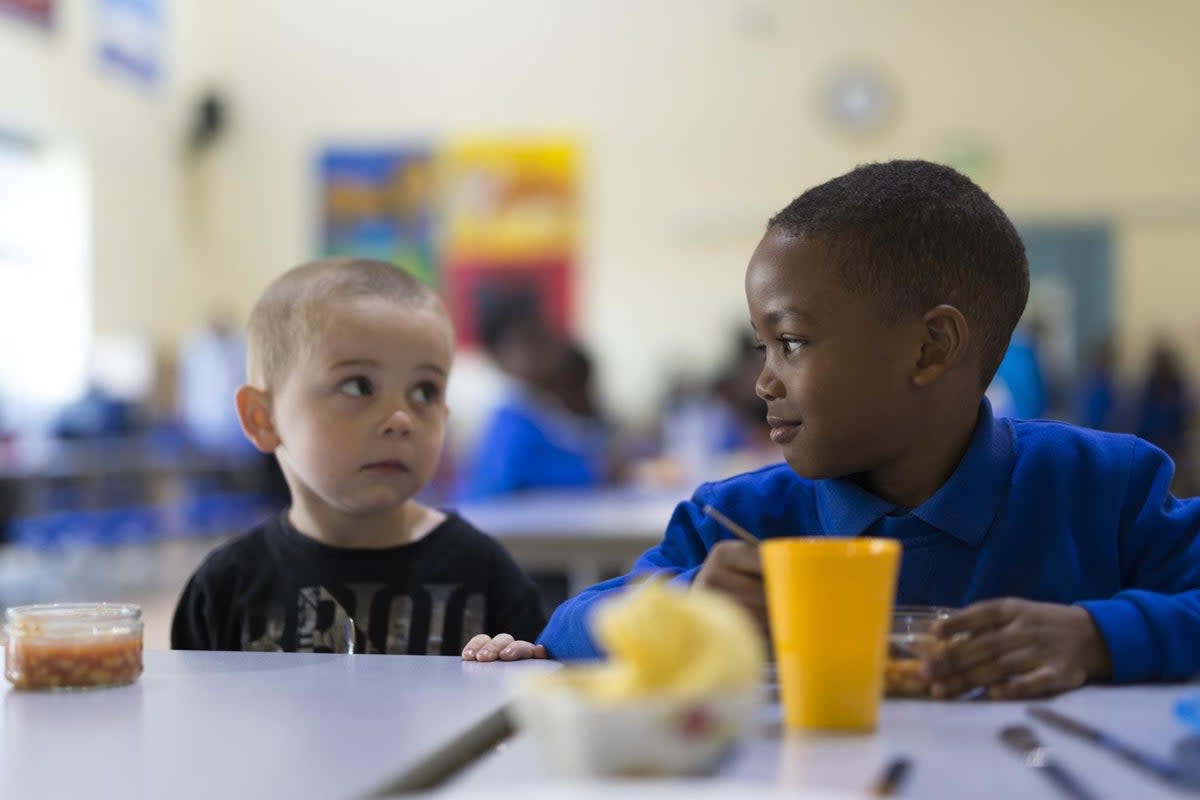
pixel 546 432
pixel 884 301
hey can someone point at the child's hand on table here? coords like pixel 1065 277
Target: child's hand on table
pixel 1017 649
pixel 733 567
pixel 502 646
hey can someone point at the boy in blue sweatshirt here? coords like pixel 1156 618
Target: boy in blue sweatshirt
pixel 883 301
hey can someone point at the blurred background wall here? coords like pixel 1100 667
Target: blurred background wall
pixel 697 120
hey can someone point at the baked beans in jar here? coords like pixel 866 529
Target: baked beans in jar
pixel 911 642
pixel 73 645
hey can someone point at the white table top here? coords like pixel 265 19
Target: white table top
pixel 229 725
pixel 608 514
pixel 953 747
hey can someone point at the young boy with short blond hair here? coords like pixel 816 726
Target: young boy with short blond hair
pixel 348 361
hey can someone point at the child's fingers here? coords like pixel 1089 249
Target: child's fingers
pixel 978 617
pixel 995 671
pixel 475 645
pixel 736 556
pixel 491 651
pixel 1040 682
pixel 520 650
pixel 960 657
pixel 746 590
pixel 517 651
pixel 720 572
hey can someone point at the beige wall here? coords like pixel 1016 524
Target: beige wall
pixel 1158 290
pixel 53 87
pixel 698 118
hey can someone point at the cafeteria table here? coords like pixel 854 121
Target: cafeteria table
pixel 221 725
pixel 587 535
pixel 953 748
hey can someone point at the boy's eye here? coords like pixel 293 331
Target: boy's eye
pixel 358 386
pixel 790 346
pixel 761 348
pixel 426 392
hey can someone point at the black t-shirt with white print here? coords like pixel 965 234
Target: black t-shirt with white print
pixel 276 589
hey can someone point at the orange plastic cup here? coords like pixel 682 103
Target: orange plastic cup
pixel 829 601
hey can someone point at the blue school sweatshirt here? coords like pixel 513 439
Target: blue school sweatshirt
pixel 1040 510
pixel 530 445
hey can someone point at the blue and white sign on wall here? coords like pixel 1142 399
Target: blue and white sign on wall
pixel 131 36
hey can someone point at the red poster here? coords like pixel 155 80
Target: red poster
pixel 510 229
pixel 471 288
pixel 39 12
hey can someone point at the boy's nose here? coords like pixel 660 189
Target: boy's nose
pixel 398 423
pixel 767 386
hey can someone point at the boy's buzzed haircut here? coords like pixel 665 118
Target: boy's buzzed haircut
pixel 911 235
pixel 292 306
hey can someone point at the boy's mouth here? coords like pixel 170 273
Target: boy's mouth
pixel 390 465
pixel 783 430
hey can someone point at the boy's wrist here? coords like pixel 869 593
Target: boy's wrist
pixel 1093 649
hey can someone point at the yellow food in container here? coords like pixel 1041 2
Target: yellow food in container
pixel 681 685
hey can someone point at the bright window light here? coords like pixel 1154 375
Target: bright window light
pixel 45 312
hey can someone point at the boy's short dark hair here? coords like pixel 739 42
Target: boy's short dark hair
pixel 911 235
pixel 291 309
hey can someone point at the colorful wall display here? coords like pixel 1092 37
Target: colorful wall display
pixel 511 222
pixel 379 203
pixel 485 220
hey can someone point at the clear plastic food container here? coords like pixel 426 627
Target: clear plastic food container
pixel 73 645
pixel 656 735
pixel 909 642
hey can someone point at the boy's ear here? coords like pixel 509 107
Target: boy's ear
pixel 945 342
pixel 254 412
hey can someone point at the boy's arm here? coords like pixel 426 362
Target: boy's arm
pixel 1148 631
pixel 1152 629
pixel 682 551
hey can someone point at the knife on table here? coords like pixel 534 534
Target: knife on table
pixel 1022 739
pixel 1161 768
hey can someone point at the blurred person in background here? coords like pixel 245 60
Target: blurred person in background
pixel 98 414
pixel 8 487
pixel 212 365
pixel 1099 405
pixel 577 384
pixel 547 431
pixel 1019 389
pixel 747 412
pixel 1163 413
pixel 713 428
